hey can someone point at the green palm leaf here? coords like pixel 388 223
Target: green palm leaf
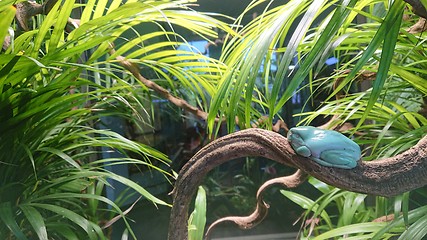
pixel 8 218
pixel 7 13
pixel 394 19
pixel 53 107
pixel 36 221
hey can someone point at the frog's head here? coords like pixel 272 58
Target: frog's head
pixel 297 137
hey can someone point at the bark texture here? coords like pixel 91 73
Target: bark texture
pixel 417 8
pixel 385 177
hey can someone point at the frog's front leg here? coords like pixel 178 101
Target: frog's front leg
pixel 303 151
pixel 338 158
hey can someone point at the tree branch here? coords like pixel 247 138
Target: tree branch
pixel 417 8
pixel 26 10
pixel 386 177
pixel 179 102
pixel 261 209
pixel 418 27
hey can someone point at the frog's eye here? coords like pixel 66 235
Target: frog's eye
pixel 295 138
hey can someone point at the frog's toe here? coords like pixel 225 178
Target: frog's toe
pixel 303 151
pixel 350 165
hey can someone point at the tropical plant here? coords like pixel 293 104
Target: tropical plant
pixel 64 69
pixel 197 220
pixel 393 123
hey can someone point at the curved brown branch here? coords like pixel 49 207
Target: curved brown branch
pixel 261 209
pixel 385 177
pixel 245 222
pixel 164 93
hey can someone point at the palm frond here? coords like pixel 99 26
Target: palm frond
pixel 57 85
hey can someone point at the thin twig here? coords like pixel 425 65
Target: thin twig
pixel 179 102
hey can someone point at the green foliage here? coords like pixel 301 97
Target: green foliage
pixel 233 191
pixel 197 220
pixel 47 143
pixel 388 113
pixel 57 84
pixel 263 37
pixel 8 13
pixel 338 213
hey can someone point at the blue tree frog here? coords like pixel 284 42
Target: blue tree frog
pixel 326 147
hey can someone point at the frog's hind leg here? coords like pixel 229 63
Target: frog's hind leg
pixel 321 162
pixel 338 158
